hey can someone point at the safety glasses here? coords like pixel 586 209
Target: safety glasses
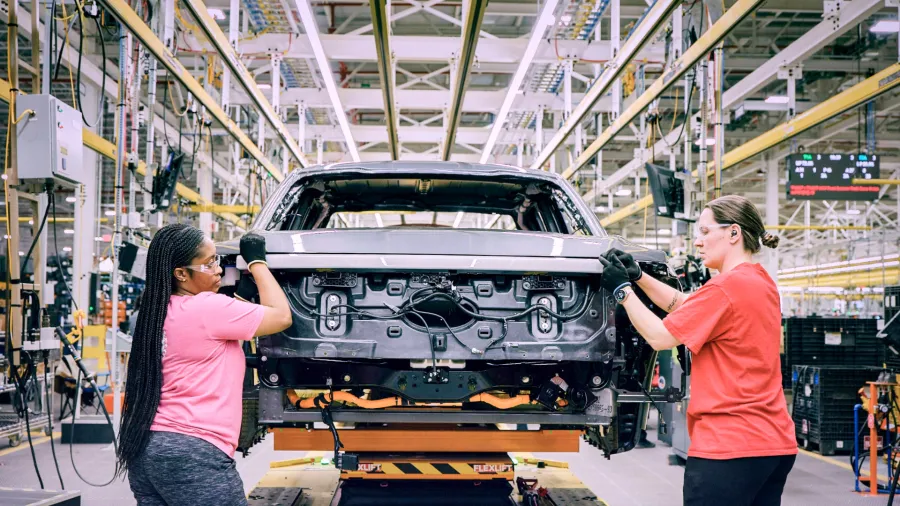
pixel 209 267
pixel 702 231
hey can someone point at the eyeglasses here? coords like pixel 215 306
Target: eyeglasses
pixel 209 267
pixel 701 232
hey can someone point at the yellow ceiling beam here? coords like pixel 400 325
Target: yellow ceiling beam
pixel 108 149
pixel 879 182
pixel 381 28
pixel 220 208
pixel 126 15
pixel 863 92
pixel 875 277
pixel 817 227
pixel 471 34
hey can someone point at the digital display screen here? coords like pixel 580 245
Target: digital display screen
pixel 817 176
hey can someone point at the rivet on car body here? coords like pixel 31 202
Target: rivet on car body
pixel 593 313
pixel 526 380
pixel 526 285
pixel 273 378
pixel 597 380
pixel 264 358
pixel 347 378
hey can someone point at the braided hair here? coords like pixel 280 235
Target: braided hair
pixel 173 246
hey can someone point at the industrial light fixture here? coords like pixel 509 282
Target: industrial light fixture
pixel 264 86
pixel 110 213
pixel 67 249
pixel 664 231
pixel 623 192
pixel 21 253
pixel 312 32
pixel 885 26
pixel 216 13
pixel 777 99
pixel 71 200
pixel 853 211
pixel 98 239
pixel 68 231
pixel 710 141
pixel 544 20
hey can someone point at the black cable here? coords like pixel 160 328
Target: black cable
pixel 78 375
pixel 78 71
pixel 430 338
pixel 22 391
pixel 50 420
pixel 34 241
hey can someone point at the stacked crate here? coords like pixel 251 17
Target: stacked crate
pixel 891 308
pixel 824 397
pixel 824 341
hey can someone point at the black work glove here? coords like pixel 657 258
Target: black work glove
pixel 631 266
pixel 246 289
pixel 253 249
pixel 614 273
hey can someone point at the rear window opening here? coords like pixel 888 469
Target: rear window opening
pixel 505 203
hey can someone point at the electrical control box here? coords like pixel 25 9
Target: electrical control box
pixel 50 141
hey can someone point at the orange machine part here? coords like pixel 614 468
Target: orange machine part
pixel 429 438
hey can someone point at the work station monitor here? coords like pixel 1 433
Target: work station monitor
pixel 829 176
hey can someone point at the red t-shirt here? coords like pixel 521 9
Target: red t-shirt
pixel 732 325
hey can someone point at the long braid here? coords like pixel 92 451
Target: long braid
pixel 173 246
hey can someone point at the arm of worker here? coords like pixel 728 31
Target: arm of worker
pixel 648 325
pixel 277 314
pixel 663 295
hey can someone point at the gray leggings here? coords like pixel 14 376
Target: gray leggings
pixel 176 470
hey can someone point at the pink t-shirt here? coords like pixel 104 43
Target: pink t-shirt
pixel 203 367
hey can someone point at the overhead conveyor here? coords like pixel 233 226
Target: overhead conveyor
pixel 133 23
pixel 471 33
pixel 870 89
pixel 654 18
pixel 381 29
pixel 698 50
pixel 220 41
pixel 108 149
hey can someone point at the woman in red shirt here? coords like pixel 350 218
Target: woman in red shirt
pixel 743 443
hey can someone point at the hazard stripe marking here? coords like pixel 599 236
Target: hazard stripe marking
pixel 446 469
pixel 407 468
pixel 463 468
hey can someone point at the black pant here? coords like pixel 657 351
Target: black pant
pixel 751 481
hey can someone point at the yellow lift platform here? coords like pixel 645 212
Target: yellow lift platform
pixel 437 466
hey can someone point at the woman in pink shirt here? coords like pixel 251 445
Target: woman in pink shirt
pixel 182 412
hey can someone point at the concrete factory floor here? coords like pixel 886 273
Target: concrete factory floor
pixel 639 477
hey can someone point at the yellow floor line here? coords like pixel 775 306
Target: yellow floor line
pixel 839 464
pixel 24 444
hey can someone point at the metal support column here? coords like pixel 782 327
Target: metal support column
pixel 704 114
pixel 301 126
pixel 719 55
pixel 319 148
pixel 11 177
pixel 538 131
pixel 86 205
pixel 520 146
pixel 117 222
pixel 234 14
pixel 772 218
pixel 615 44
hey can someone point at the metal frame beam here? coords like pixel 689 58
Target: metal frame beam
pixel 220 41
pixel 799 50
pixel 470 35
pixel 382 31
pixel 126 15
pixel 717 32
pixel 855 96
pixel 108 149
pixel 656 16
